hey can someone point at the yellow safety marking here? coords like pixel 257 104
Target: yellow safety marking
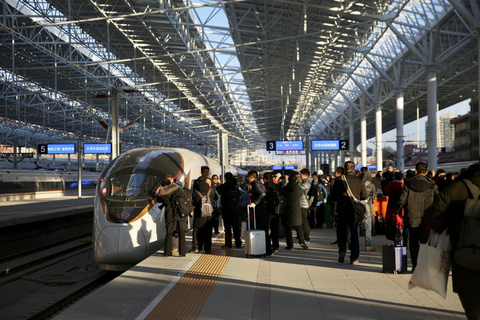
pixel 188 297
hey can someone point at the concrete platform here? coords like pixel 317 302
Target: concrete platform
pixel 298 284
pixel 26 211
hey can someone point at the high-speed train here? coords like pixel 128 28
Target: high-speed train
pixel 21 184
pixel 129 225
pixel 450 166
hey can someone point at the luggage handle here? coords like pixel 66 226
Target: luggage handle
pixel 254 219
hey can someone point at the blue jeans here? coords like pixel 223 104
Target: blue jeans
pixel 367 225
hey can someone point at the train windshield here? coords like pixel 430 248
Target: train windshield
pixel 129 185
pixel 138 173
pixel 126 183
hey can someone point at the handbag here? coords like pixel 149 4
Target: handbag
pixel 359 206
pixel 433 264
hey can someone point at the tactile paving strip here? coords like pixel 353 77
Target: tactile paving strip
pixel 188 297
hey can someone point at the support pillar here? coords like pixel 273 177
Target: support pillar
pixel 363 133
pixel 115 123
pixel 222 146
pixel 15 157
pixel 336 163
pixel 399 123
pixel 478 90
pixel 79 153
pixel 307 154
pixel 352 137
pixel 378 133
pixel 432 118
pixel 342 137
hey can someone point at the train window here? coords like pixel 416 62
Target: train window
pixel 136 185
pixel 128 185
pixel 132 181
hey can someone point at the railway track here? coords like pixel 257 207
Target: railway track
pixel 39 283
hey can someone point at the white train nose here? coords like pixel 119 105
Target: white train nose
pixel 120 245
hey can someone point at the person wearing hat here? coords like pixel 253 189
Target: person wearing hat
pixel 276 177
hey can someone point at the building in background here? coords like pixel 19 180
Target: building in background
pixel 445 132
pixel 466 134
pixel 463 140
pixel 474 138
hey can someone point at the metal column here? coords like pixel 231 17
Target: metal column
pixel 378 133
pixel 352 137
pixel 432 118
pixel 399 123
pixel 307 154
pixel 115 123
pixel 79 153
pixel 222 146
pixel 363 133
pixel 342 137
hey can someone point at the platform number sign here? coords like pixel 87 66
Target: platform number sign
pixel 42 149
pixel 62 148
pixel 271 146
pixel 343 144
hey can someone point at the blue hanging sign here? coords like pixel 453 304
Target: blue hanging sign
pixel 289 145
pixel 94 148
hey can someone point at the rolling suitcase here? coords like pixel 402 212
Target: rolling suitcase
pixel 254 239
pixel 394 258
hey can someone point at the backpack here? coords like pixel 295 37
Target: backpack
pixel 371 190
pixel 272 197
pixel 282 203
pixel 325 183
pixel 315 194
pixel 243 198
pixel 276 201
pixel 467 253
pixel 206 209
pixel 233 199
pixel 182 203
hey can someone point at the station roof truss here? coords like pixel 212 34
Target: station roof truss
pixel 257 70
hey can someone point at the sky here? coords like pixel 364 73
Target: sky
pixel 410 129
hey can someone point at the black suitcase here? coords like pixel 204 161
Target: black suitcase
pixel 394 258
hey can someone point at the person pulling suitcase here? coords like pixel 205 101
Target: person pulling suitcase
pixel 258 198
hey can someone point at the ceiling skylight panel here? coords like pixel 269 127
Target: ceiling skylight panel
pixel 394 47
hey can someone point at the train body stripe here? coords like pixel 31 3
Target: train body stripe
pixel 150 205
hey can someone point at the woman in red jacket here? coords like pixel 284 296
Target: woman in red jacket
pixel 394 223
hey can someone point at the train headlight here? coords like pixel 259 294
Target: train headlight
pixel 104 191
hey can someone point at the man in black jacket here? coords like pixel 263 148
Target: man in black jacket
pixel 172 223
pixel 202 225
pixel 273 192
pixel 417 197
pixel 345 211
pixel 229 197
pixel 258 199
pixel 447 211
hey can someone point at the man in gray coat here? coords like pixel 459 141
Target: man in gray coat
pixel 292 217
pixel 417 197
pixel 304 205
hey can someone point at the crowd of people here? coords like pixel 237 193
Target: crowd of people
pixel 418 201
